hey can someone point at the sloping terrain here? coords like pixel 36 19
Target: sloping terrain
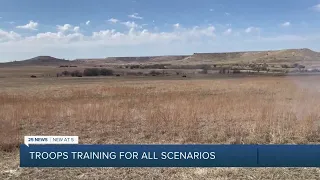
pixel 299 55
pixel 304 56
pixel 38 61
pixel 133 60
pixel 279 56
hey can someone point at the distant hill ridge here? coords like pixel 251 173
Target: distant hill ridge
pixel 272 56
pixel 46 59
pixel 40 60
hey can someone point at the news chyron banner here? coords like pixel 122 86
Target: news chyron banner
pixel 65 151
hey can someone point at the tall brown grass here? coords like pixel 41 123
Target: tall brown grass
pixel 229 111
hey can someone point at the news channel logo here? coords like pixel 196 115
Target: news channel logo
pixel 29 140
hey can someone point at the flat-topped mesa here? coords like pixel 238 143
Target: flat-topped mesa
pixel 226 55
pixel 146 58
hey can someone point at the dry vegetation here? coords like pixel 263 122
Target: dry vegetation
pixel 256 110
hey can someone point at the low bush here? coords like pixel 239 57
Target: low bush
pixel 65 73
pixel 76 73
pixel 155 73
pixel 87 72
pixel 91 72
pixel 106 72
pixel 97 72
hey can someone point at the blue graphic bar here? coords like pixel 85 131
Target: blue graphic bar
pixel 170 156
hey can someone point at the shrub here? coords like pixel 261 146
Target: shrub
pixel 205 69
pixel 135 67
pixel 154 73
pixel 106 72
pixel 65 73
pixel 236 71
pixel 263 69
pixel 295 65
pixel 91 72
pixel 97 72
pixel 76 73
pixel 223 71
pixel 284 66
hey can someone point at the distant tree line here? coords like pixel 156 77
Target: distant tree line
pixel 67 66
pixel 295 65
pixel 206 67
pixel 88 72
pixel 151 66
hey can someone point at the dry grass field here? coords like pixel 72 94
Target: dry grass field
pixel 253 110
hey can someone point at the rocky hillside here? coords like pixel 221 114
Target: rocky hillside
pixel 279 56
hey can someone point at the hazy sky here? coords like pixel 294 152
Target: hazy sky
pixel 100 28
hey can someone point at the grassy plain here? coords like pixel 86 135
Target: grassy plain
pixel 252 110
